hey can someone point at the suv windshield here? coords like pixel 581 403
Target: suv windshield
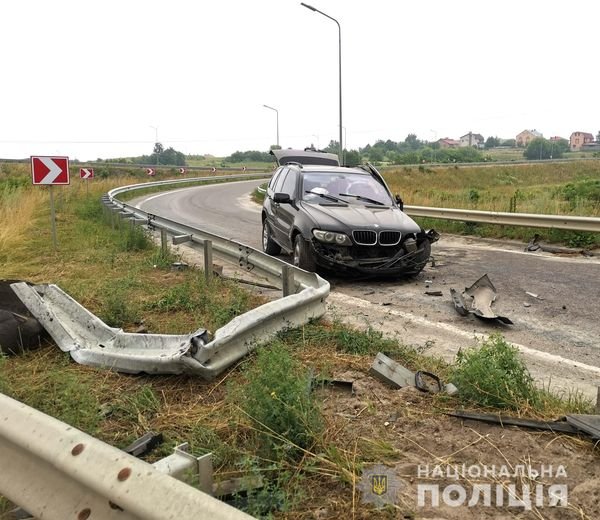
pixel 351 186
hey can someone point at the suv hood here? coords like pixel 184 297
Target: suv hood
pixel 356 216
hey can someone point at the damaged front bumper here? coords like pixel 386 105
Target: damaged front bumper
pixel 408 257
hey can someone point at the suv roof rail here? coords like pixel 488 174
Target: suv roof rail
pixel 294 163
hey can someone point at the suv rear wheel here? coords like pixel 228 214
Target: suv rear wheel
pixel 269 245
pixel 303 257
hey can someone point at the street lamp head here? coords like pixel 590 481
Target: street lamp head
pixel 308 6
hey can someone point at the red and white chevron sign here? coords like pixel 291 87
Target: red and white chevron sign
pixel 151 172
pixel 47 170
pixel 86 173
pixel 181 170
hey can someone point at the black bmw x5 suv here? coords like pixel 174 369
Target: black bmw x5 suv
pixel 339 218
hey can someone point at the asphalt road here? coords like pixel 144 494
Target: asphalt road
pixel 559 332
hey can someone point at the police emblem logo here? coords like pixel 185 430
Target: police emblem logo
pixel 379 485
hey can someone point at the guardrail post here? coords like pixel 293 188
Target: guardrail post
pixel 208 260
pixel 164 247
pixel 287 280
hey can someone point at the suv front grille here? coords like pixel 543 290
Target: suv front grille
pixel 369 238
pixel 364 237
pixel 389 238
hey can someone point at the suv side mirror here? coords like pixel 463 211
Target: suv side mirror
pixel 282 198
pixel 400 202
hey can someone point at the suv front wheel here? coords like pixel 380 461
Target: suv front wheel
pixel 303 257
pixel 269 245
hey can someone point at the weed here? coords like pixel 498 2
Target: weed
pixel 473 196
pixel 90 208
pixel 493 375
pixel 343 338
pixel 278 400
pixel 274 496
pixel 116 311
pixel 135 238
pixel 139 406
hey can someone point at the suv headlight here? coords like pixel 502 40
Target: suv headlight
pixel 330 237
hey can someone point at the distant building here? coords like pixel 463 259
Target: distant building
pixel 557 138
pixel 526 136
pixel 591 147
pixel 448 143
pixel 578 139
pixel 472 139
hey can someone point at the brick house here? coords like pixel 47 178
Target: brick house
pixel 448 143
pixel 578 139
pixel 526 136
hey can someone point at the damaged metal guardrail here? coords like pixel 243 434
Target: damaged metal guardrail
pixel 91 342
pixel 55 471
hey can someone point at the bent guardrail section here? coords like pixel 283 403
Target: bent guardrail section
pixel 91 342
pixel 55 471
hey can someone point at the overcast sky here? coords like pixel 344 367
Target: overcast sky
pixel 93 78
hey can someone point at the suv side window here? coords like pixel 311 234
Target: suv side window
pixel 280 179
pixel 289 183
pixel 274 178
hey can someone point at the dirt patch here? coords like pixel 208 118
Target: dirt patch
pixel 406 431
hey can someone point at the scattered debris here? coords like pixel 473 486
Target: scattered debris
pixel 428 382
pixel 434 293
pixel 483 294
pixel 589 424
pixel 535 245
pixel 554 426
pixel 533 295
pixel 574 424
pixel 334 384
pixel 144 444
pixel 527 304
pixel 393 373
pixel 179 266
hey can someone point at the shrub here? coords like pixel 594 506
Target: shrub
pixel 278 400
pixel 494 375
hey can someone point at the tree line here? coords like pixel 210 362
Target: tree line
pixel 410 151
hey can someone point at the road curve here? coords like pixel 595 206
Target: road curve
pixel 559 331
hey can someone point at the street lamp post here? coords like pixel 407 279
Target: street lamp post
pixel 277 113
pixel 339 65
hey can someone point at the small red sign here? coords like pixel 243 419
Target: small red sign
pixel 181 170
pixel 47 170
pixel 86 173
pixel 151 172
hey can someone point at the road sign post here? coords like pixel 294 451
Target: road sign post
pixel 50 171
pixel 86 174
